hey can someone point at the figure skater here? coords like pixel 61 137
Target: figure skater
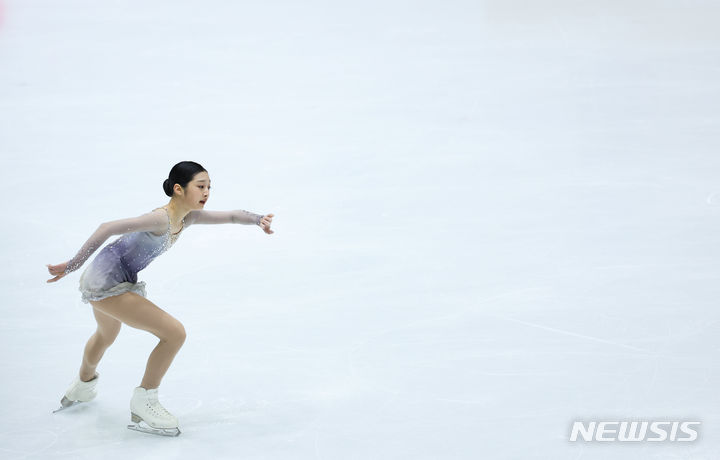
pixel 109 283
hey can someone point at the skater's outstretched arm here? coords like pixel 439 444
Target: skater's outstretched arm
pixel 237 216
pixel 149 222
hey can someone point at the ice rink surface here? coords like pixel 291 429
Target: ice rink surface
pixel 492 219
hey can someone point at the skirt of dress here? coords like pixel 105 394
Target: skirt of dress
pixel 105 277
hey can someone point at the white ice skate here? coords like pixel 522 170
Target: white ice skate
pixel 149 416
pixel 79 392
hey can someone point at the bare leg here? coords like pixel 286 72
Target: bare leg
pixel 108 329
pixel 138 312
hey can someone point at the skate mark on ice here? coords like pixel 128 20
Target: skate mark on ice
pixel 350 358
pixel 90 447
pixel 713 199
pixel 573 334
pixel 10 437
pixel 184 405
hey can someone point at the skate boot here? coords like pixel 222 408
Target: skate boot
pixel 79 392
pixel 149 416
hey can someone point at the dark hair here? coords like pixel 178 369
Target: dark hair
pixel 181 173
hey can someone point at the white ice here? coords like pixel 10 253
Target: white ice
pixel 492 219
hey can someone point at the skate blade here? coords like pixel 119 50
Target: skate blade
pixel 65 403
pixel 143 427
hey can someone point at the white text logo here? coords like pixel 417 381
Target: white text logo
pixel 633 431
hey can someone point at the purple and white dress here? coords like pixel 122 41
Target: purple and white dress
pixel 114 270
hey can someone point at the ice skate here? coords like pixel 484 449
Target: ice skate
pixel 79 392
pixel 149 416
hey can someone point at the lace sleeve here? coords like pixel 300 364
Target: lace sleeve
pixel 148 222
pixel 237 216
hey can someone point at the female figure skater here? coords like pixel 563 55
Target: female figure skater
pixel 109 283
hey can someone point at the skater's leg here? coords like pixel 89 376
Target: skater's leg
pixel 138 312
pixel 108 329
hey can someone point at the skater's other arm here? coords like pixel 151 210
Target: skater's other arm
pixel 237 216
pixel 149 222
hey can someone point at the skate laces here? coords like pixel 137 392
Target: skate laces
pixel 155 406
pixel 159 408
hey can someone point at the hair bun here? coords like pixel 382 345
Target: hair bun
pixel 167 187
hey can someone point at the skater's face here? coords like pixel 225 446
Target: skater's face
pixel 197 191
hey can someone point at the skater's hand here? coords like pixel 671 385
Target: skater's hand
pixel 57 270
pixel 265 223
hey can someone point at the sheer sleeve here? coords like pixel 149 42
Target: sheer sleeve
pixel 148 222
pixel 237 216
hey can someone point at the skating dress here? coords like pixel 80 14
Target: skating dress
pixel 114 270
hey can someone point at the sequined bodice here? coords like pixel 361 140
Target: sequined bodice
pixel 172 236
pixel 136 250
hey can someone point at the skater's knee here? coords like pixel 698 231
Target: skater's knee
pixel 180 333
pixel 174 333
